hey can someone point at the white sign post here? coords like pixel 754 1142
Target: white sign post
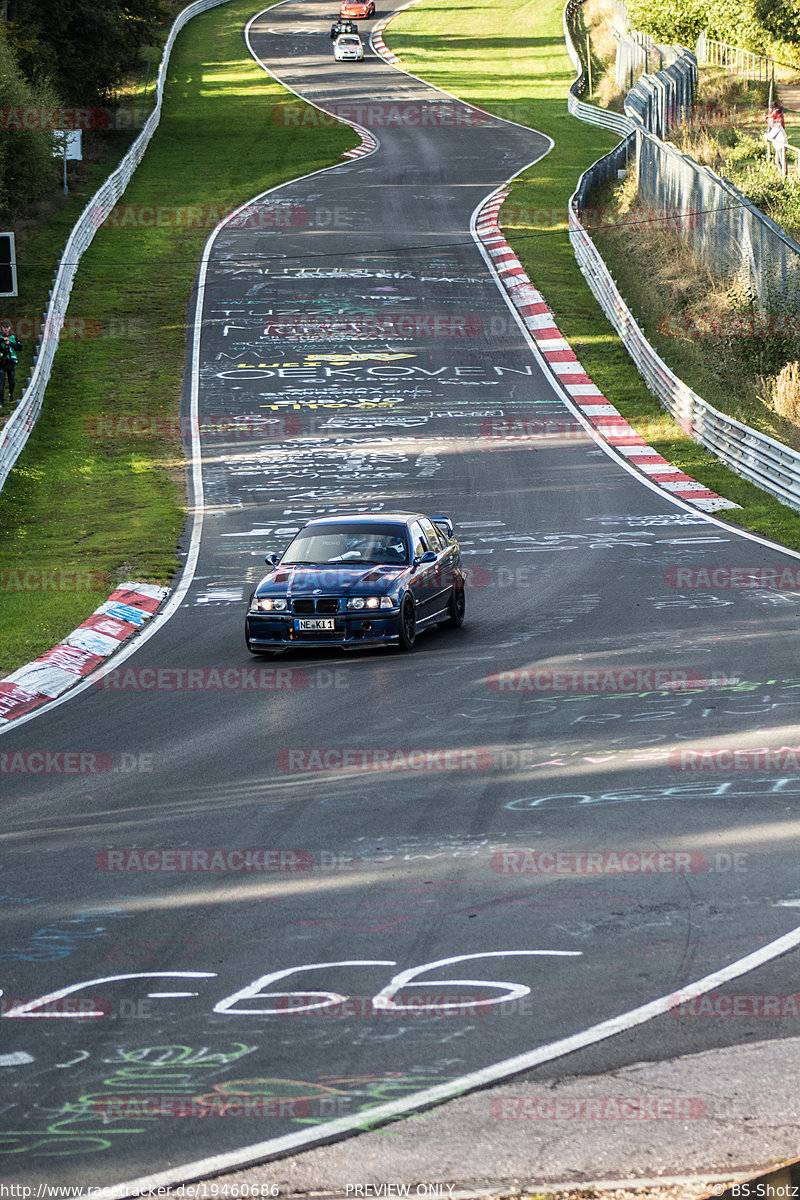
pixel 69 143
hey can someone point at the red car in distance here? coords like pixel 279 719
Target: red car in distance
pixel 357 9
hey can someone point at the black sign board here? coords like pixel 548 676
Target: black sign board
pixel 8 265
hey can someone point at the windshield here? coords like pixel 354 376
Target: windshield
pixel 349 544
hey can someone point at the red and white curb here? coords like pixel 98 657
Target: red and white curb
pixel 369 143
pixel 57 670
pixel 563 362
pixel 376 38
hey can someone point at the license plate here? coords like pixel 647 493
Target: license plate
pixel 319 623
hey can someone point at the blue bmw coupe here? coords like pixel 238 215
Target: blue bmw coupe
pixel 363 580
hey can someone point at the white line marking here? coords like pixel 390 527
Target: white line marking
pixel 19 1058
pixel 170 995
pixel 331 1130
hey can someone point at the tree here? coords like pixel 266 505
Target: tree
pixel 669 21
pixel 781 19
pixel 26 143
pixel 752 24
pixel 84 47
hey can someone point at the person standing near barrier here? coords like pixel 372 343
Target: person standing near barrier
pixel 776 137
pixel 10 347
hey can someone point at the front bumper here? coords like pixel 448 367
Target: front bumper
pixel 278 630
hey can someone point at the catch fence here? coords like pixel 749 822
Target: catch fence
pixel 755 456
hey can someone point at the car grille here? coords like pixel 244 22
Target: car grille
pixel 309 605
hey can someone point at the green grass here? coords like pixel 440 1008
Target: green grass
pixel 524 75
pixel 117 506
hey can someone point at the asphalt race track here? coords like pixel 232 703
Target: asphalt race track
pixel 505 835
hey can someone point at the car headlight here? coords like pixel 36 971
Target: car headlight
pixel 270 604
pixel 371 602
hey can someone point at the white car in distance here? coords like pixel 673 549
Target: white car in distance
pixel 348 47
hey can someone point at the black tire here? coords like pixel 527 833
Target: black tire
pixel 408 624
pixel 456 609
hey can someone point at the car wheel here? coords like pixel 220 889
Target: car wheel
pixel 408 624
pixel 456 609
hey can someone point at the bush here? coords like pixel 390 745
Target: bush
pixel 782 392
pixel 779 198
pixel 744 146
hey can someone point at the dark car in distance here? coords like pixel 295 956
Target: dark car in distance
pixel 359 580
pixel 342 26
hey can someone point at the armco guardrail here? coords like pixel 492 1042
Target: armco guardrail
pixel 17 429
pixel 592 115
pixel 755 456
pixel 655 101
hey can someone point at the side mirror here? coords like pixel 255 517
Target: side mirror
pixel 428 557
pixel 272 560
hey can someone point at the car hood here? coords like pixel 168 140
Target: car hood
pixel 335 580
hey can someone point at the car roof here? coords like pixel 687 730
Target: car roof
pixel 390 518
